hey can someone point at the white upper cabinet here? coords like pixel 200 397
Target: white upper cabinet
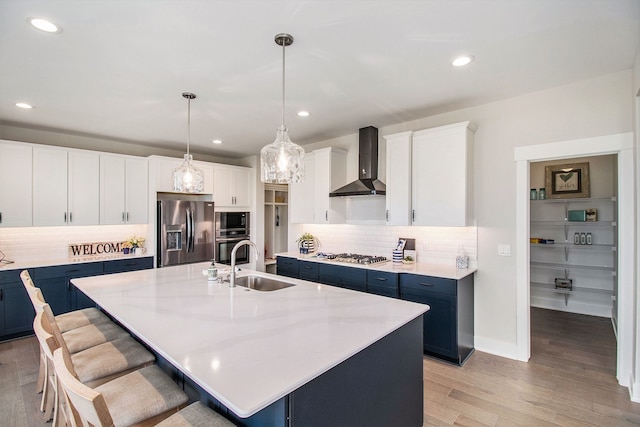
pixel 301 194
pixel 164 167
pixel 398 180
pixel 442 176
pixel 309 201
pixel 330 173
pixel 66 187
pixel 123 190
pixel 232 186
pixel 16 184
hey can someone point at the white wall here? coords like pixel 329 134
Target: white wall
pixel 594 107
pixel 635 374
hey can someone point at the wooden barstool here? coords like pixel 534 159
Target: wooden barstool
pixel 143 397
pixel 71 320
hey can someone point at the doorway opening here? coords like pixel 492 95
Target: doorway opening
pixel 622 146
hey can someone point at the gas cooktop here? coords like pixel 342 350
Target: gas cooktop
pixel 354 258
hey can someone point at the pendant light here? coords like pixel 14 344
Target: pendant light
pixel 187 178
pixel 282 161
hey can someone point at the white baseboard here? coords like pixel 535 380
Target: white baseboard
pixel 634 390
pixel 497 348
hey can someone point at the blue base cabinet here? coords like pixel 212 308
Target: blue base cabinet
pixel 343 277
pixel 16 310
pixel 287 266
pixel 308 270
pixel 383 283
pixel 448 326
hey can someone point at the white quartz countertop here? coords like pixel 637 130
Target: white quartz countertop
pixel 48 262
pixel 247 349
pixel 426 269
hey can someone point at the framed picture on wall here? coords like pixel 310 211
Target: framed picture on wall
pixel 567 181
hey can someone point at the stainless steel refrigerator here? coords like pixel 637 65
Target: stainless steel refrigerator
pixel 185 230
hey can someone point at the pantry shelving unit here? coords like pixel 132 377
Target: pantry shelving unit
pixel 590 268
pixel 276 223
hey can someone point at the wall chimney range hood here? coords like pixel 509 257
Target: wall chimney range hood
pixel 368 183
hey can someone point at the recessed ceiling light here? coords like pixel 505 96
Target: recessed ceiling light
pixel 303 113
pixel 462 60
pixel 217 141
pixel 44 25
pixel 24 105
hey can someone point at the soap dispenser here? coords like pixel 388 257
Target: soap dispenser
pixel 212 273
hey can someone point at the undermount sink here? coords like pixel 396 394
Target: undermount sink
pixel 260 283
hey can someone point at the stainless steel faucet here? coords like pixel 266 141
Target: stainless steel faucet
pixel 232 277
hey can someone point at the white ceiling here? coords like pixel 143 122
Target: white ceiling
pixel 119 67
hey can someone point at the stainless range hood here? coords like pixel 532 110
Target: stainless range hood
pixel 368 184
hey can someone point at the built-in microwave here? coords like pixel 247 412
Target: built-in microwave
pixel 231 224
pixel 231 228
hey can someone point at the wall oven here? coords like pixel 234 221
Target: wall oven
pixel 231 227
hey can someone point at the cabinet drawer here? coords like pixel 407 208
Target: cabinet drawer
pixel 132 264
pixel 412 283
pixel 383 290
pixel 382 279
pixel 67 270
pixel 308 270
pixel 10 276
pixel 286 266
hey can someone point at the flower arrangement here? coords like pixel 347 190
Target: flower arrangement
pixel 135 242
pixel 305 236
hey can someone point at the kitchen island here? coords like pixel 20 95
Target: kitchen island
pixel 306 355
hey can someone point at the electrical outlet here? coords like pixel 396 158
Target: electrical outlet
pixel 504 250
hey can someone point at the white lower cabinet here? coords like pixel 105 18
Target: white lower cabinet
pixel 65 187
pixel 16 184
pixel 124 186
pixel 438 190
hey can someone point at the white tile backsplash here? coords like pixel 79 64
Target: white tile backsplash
pixel 24 244
pixel 435 245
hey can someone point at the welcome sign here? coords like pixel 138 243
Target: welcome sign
pixel 93 249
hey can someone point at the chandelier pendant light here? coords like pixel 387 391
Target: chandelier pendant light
pixel 187 178
pixel 282 161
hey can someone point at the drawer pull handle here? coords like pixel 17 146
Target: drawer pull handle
pixel 129 264
pixel 426 284
pixel 382 279
pixel 74 270
pixel 308 268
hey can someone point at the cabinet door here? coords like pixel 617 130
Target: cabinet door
pixel 112 190
pixel 329 174
pixel 84 188
pixel 137 191
pixel 439 322
pixel 18 310
pixel 287 266
pixel 49 186
pixel 301 200
pixel 232 186
pixel 308 270
pixel 164 167
pixel 222 190
pixel 398 180
pixel 16 185
pixel 442 176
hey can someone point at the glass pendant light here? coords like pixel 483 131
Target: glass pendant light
pixel 282 161
pixel 187 178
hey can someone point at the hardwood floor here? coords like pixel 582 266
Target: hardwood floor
pixel 569 381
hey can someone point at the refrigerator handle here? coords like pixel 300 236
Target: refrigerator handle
pixel 188 225
pixel 191 231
